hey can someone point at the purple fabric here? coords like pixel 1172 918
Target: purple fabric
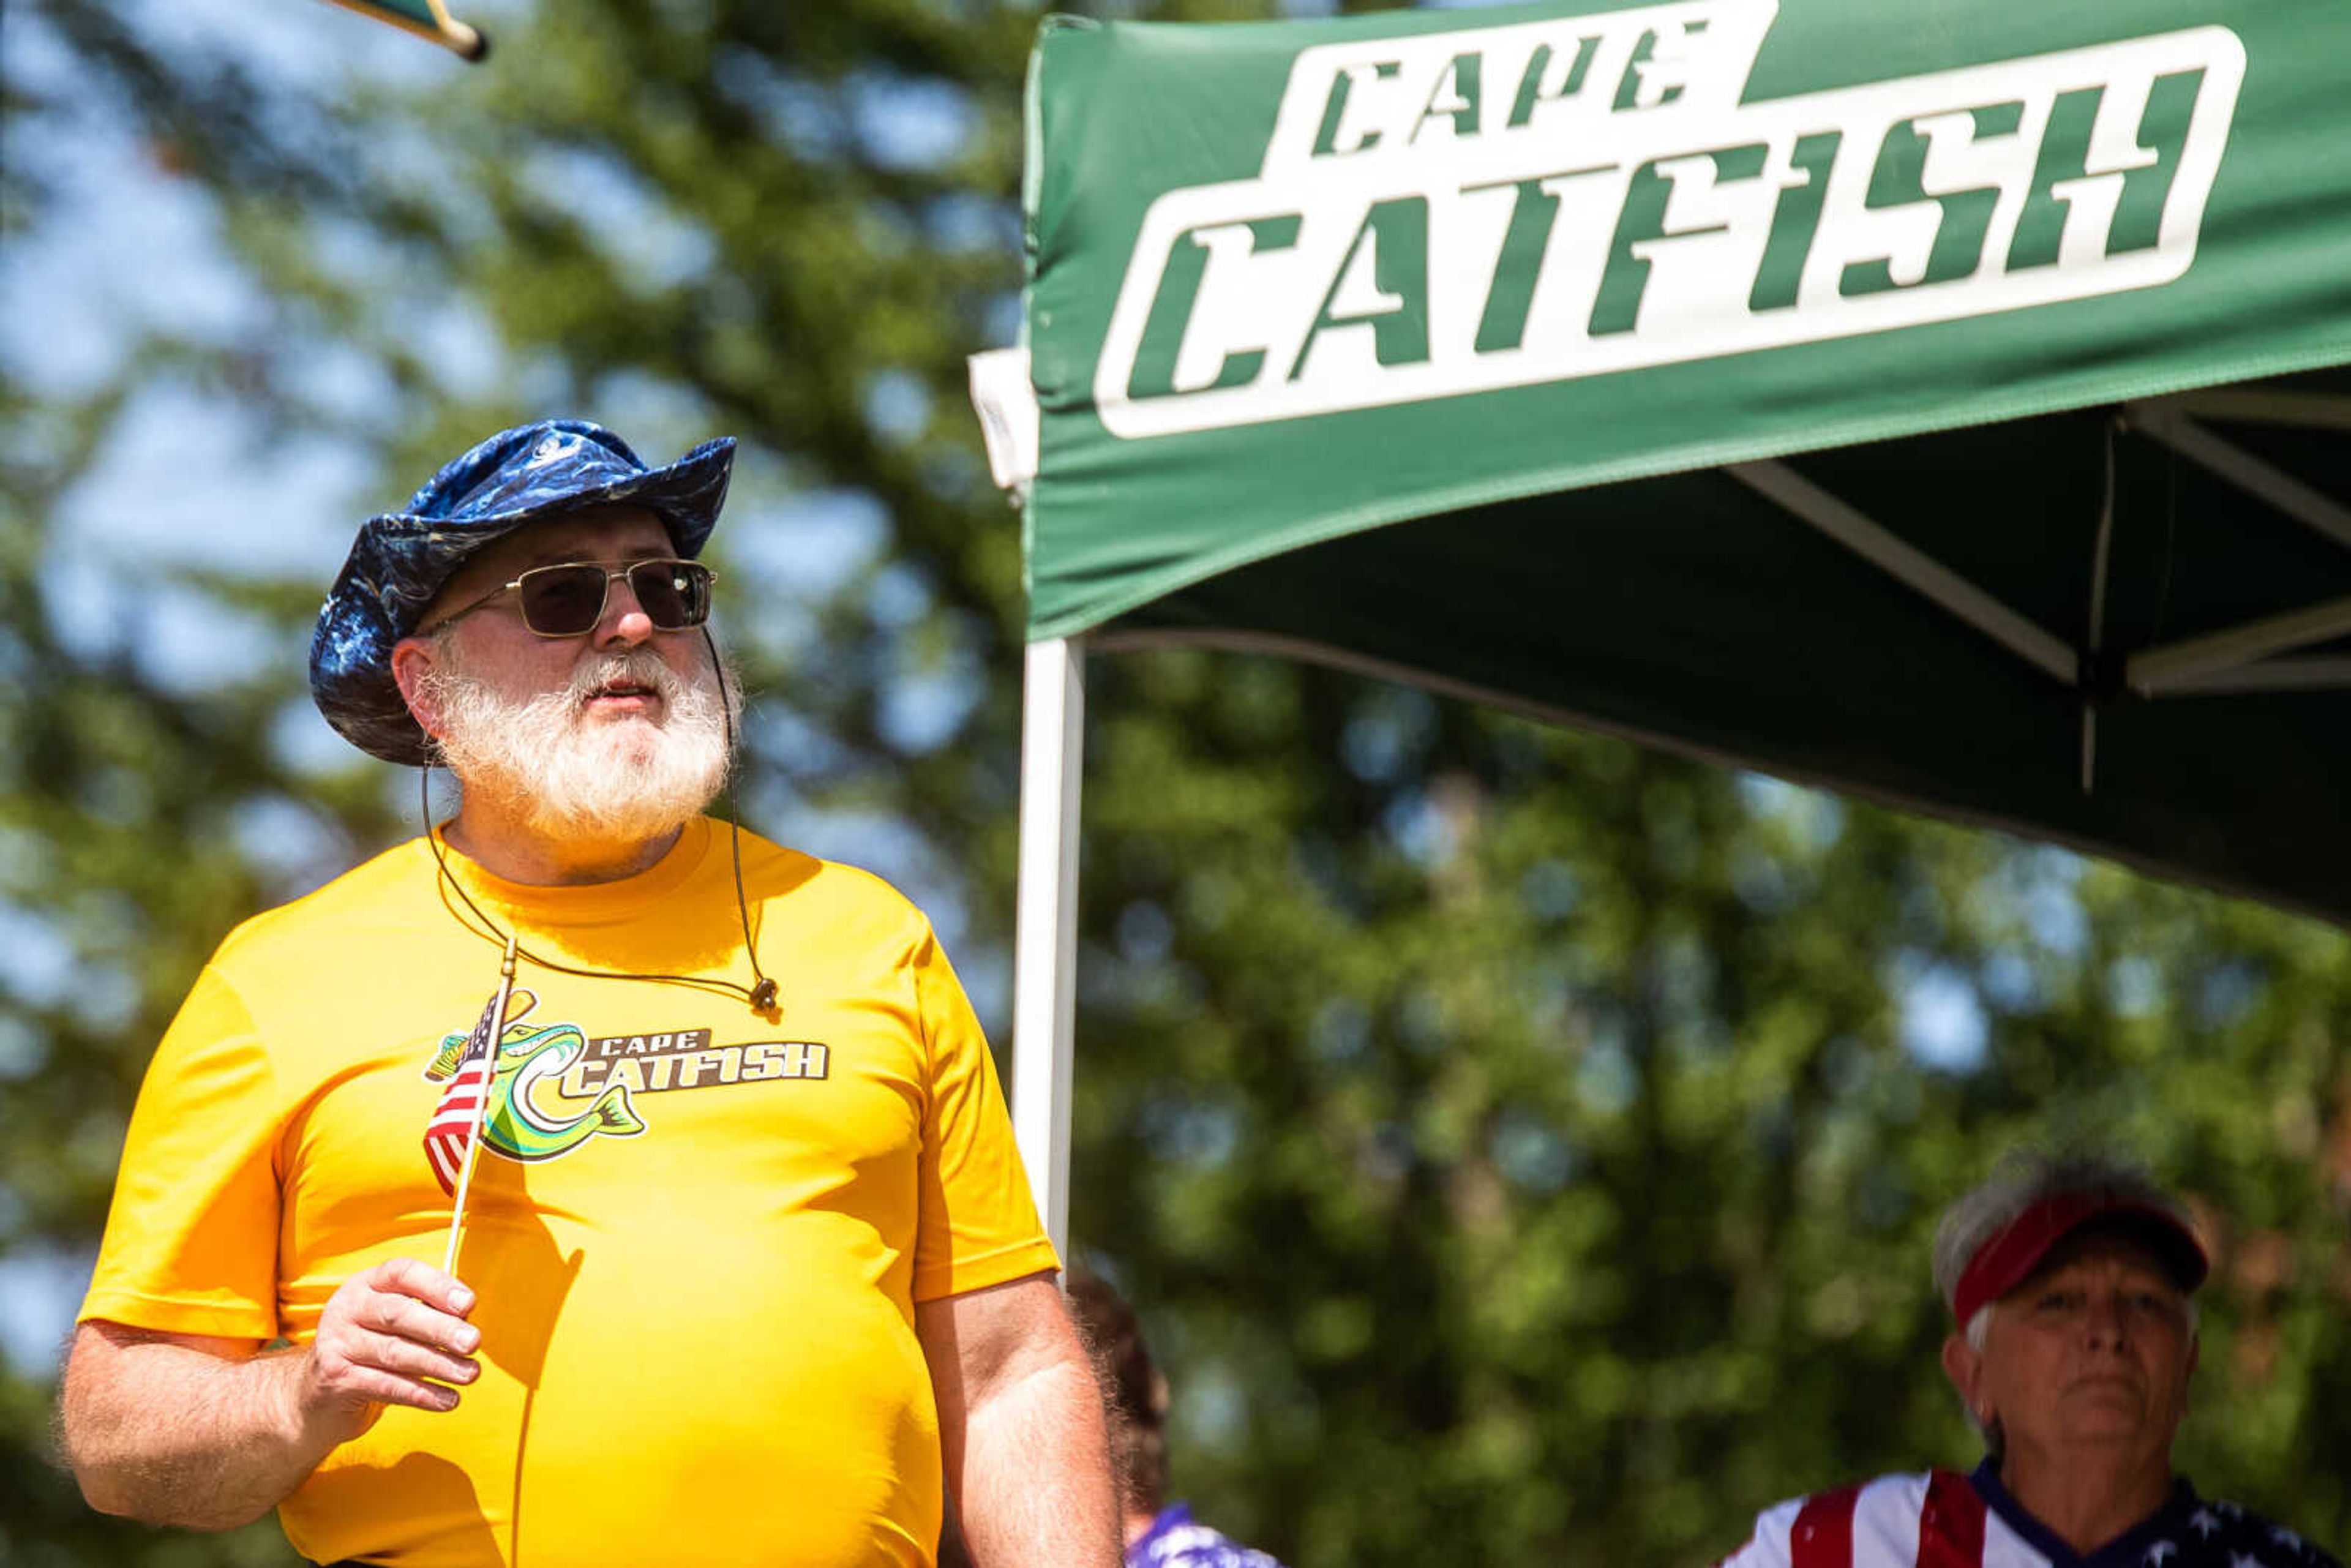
pixel 1175 1540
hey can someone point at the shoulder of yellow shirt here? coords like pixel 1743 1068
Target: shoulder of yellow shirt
pixel 357 895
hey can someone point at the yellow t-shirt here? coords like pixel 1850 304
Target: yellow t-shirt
pixel 697 1235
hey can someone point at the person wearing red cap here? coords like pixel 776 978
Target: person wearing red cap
pixel 2071 1280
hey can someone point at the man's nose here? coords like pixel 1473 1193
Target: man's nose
pixel 624 624
pixel 2104 1319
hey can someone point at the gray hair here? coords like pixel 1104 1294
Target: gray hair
pixel 2023 1179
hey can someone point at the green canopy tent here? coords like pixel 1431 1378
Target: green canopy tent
pixel 1943 402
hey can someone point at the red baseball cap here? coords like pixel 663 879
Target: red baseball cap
pixel 2008 1258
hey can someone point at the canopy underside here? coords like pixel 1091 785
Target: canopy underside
pixel 1695 612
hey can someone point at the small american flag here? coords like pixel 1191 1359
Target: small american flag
pixel 454 1120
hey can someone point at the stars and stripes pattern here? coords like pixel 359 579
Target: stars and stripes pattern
pixel 1942 1519
pixel 451 1126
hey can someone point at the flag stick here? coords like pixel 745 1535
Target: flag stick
pixel 482 1104
pixel 427 19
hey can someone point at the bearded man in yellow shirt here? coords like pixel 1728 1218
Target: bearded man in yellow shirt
pixel 748 1269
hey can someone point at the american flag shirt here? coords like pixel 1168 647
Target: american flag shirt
pixel 1946 1519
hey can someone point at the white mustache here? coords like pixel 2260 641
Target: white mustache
pixel 638 668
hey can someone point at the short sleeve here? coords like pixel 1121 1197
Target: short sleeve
pixel 191 1242
pixel 1768 1547
pixel 978 1224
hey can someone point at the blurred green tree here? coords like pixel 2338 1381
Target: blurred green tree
pixel 1523 1147
pixel 1529 1145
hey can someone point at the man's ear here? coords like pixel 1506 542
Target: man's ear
pixel 412 661
pixel 1963 1365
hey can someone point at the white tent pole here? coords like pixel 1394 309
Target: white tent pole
pixel 1878 545
pixel 2260 405
pixel 2156 671
pixel 2268 675
pixel 1045 937
pixel 2101 553
pixel 2241 468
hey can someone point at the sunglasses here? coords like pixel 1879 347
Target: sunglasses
pixel 567 600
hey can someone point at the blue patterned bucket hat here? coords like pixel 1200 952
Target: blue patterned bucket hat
pixel 400 560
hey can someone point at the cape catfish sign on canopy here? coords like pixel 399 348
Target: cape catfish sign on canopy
pixel 1462 211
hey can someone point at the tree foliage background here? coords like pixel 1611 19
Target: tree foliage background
pixel 1522 1147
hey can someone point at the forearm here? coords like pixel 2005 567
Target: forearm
pixel 173 1435
pixel 1030 1472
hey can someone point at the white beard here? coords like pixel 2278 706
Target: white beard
pixel 578 778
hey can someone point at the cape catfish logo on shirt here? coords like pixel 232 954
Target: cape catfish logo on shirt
pixel 554 1086
pixel 1461 211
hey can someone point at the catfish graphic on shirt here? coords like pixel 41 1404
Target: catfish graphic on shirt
pixel 527 1057
pixel 541 1070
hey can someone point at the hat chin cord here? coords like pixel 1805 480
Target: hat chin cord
pixel 761 994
